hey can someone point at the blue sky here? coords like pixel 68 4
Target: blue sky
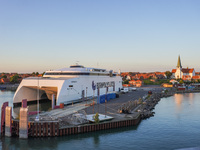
pixel 143 35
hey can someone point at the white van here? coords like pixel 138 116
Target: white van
pixel 124 90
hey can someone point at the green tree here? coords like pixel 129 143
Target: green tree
pixel 168 74
pixel 96 118
pixel 181 81
pixel 14 79
pixel 4 76
pixel 126 82
pixel 36 73
pixel 193 81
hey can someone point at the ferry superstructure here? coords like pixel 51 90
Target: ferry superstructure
pixel 68 84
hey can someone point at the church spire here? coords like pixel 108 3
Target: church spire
pixel 179 62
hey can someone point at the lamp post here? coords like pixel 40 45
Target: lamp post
pixel 94 88
pixel 37 117
pixel 86 100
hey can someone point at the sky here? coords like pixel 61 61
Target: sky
pixel 130 35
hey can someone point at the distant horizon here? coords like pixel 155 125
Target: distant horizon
pixel 40 72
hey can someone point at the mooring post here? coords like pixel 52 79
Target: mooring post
pixel 53 101
pixel 24 103
pixel 23 123
pixel 3 109
pixel 8 121
pixel 83 95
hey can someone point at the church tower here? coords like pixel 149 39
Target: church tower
pixel 182 73
pixel 179 62
pixel 178 68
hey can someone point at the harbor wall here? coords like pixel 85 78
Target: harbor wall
pixel 51 129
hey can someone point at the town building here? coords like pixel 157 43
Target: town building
pixel 182 73
pixel 137 83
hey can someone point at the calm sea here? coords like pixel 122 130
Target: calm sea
pixel 176 125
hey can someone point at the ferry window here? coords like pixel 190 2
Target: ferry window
pixel 70 85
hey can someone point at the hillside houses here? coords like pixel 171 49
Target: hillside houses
pixel 142 76
pixel 136 78
pixel 136 83
pixel 6 78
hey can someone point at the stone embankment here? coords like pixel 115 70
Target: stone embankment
pixel 150 102
pixel 148 105
pixel 145 105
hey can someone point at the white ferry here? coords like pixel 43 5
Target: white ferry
pixel 68 85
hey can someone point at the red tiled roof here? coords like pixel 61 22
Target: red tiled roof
pixel 196 77
pixel 5 80
pixel 132 81
pixel 126 85
pixel 173 70
pixel 186 77
pixel 197 73
pixel 186 70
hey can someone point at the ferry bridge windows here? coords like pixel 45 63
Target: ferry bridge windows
pixel 74 73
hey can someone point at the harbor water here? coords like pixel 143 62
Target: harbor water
pixel 176 125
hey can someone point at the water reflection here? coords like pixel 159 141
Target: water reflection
pixel 43 106
pixel 80 141
pixel 191 98
pixel 178 101
pixel 181 99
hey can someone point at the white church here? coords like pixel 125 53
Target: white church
pixel 182 73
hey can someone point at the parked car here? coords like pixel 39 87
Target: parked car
pixel 133 89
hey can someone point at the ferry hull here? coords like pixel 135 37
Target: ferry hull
pixel 65 90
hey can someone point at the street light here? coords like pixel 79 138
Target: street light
pixel 37 118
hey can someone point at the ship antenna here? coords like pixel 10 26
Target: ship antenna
pixel 77 62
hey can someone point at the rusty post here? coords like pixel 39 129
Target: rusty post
pixel 3 109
